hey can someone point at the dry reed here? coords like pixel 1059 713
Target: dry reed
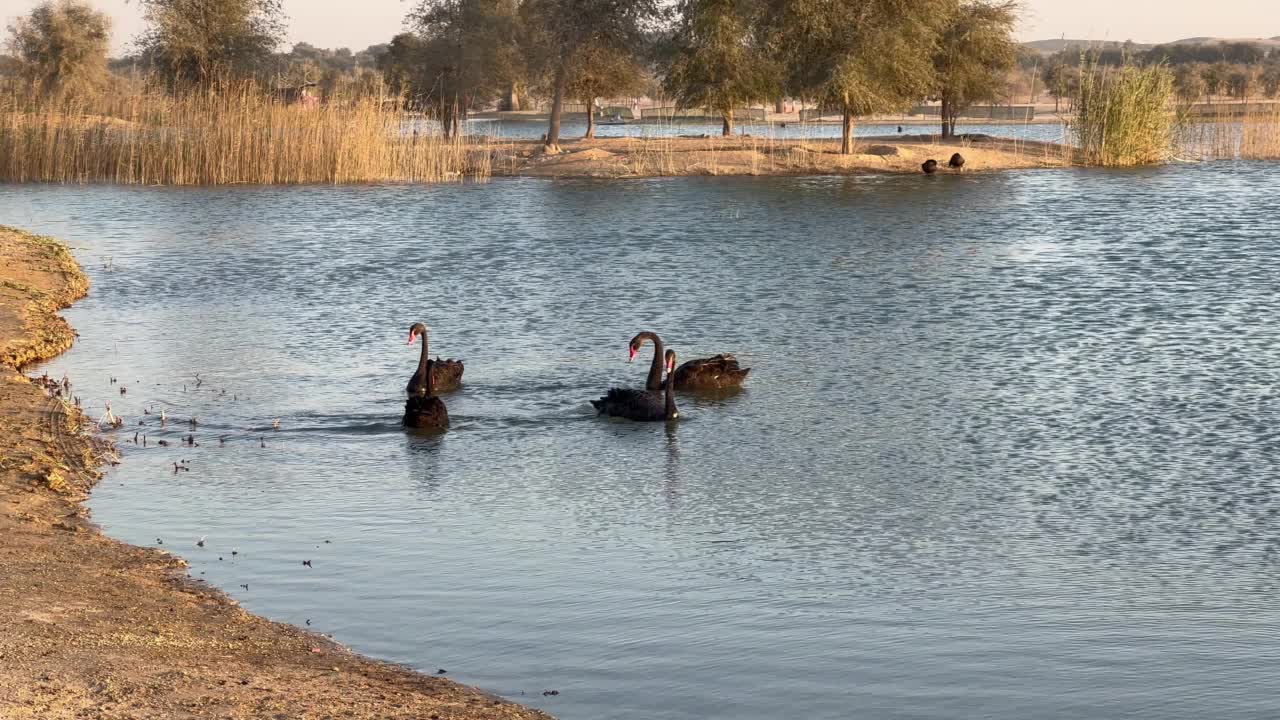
pixel 1231 134
pixel 1260 134
pixel 234 136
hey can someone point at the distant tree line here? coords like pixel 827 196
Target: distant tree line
pixel 854 57
pixel 851 57
pixel 1239 70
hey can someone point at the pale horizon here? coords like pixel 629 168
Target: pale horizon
pixel 333 24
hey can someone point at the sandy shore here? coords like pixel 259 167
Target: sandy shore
pixel 684 156
pixel 94 628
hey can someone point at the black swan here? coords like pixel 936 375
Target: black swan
pixel 425 412
pixel 930 166
pixel 721 372
pixel 956 162
pixel 643 405
pixel 446 375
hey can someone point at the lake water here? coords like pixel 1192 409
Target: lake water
pixel 575 128
pixel 1009 448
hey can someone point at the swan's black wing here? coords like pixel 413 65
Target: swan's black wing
pixel 427 413
pixel 632 404
pixel 713 373
pixel 446 376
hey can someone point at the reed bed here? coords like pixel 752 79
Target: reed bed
pixel 1260 134
pixel 1122 115
pixel 1251 135
pixel 236 136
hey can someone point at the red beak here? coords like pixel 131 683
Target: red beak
pixel 632 355
pixel 412 336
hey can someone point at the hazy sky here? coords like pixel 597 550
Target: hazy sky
pixel 360 23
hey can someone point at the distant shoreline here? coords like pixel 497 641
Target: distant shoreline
pixel 788 119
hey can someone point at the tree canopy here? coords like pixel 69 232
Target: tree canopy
pixel 859 56
pixel 719 61
pixel 558 32
pixel 974 53
pixel 469 53
pixel 597 70
pixel 205 41
pixel 61 45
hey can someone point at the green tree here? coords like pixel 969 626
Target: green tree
pixel 558 31
pixel 61 45
pixel 718 63
pixel 1270 80
pixel 469 53
pixel 974 55
pixel 403 69
pixel 1057 78
pixel 601 70
pixel 1189 82
pixel 1243 82
pixel 205 41
pixel 859 56
pixel 1215 78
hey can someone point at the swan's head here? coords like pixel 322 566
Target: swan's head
pixel 638 342
pixel 415 330
pixel 671 361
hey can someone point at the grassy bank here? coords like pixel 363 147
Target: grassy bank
pixel 94 628
pixel 146 136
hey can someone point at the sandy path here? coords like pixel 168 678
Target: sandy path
pixel 94 628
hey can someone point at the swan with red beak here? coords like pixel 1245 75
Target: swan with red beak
pixel 446 375
pixel 643 405
pixel 712 374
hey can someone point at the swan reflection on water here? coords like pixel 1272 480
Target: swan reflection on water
pixel 671 469
pixel 424 452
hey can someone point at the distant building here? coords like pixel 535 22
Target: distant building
pixel 303 94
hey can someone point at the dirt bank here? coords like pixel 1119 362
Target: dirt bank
pixel 680 156
pixel 94 628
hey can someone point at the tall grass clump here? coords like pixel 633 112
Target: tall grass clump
pixel 234 134
pixel 1124 115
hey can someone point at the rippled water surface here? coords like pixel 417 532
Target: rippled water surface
pixel 1009 448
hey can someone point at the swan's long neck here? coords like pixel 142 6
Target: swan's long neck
pixel 424 369
pixel 654 381
pixel 671 411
